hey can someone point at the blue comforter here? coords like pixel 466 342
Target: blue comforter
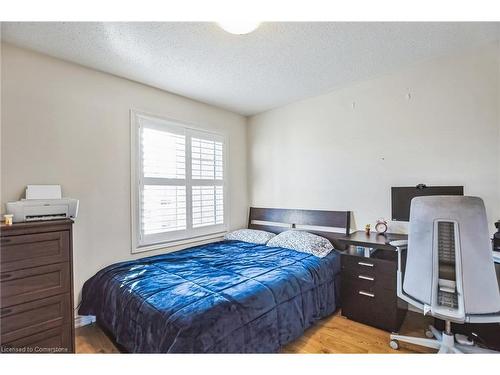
pixel 229 296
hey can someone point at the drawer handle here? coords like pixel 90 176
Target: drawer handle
pixel 366 277
pixel 5 276
pixel 366 264
pixel 5 311
pixel 371 295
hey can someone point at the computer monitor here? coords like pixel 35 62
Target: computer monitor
pixel 401 197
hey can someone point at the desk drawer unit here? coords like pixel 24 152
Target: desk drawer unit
pixel 36 305
pixel 368 292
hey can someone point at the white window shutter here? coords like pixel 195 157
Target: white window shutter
pixel 208 205
pixel 206 159
pixel 163 209
pixel 181 182
pixel 163 154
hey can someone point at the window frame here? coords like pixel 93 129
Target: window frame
pixel 190 234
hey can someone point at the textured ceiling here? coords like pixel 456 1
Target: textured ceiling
pixel 276 64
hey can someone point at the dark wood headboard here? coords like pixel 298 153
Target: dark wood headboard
pixel 329 219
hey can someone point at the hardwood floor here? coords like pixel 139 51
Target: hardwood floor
pixel 341 335
pixel 335 334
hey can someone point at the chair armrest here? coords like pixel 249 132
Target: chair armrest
pixel 399 244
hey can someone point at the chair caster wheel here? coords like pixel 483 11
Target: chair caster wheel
pixel 429 334
pixel 394 344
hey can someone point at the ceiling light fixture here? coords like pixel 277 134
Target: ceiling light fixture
pixel 239 27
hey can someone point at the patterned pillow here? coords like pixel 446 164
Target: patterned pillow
pixel 302 241
pixel 250 235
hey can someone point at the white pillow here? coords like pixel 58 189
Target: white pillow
pixel 260 237
pixel 304 242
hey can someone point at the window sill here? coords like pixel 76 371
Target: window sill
pixel 179 244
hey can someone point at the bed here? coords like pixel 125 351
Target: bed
pixel 223 297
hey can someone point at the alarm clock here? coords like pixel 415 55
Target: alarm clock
pixel 381 226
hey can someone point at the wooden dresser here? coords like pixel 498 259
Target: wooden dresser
pixel 36 288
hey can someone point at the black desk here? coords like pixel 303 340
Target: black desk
pixel 372 240
pixel 368 280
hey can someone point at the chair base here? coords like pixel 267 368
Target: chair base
pixel 442 341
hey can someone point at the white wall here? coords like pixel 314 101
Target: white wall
pixel 328 153
pixel 69 125
pixel 65 124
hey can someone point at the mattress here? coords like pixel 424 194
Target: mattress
pixel 224 297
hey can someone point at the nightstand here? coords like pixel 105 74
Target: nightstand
pixel 368 280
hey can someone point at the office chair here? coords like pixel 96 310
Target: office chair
pixel 449 271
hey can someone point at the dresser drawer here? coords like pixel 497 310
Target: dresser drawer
pixel 371 303
pixel 369 279
pixel 32 250
pixel 55 340
pixel 31 284
pixel 377 308
pixel 356 287
pixel 371 267
pixel 29 318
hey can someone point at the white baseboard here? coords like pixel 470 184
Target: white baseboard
pixel 81 320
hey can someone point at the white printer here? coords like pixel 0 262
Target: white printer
pixel 43 202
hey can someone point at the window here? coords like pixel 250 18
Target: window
pixel 178 182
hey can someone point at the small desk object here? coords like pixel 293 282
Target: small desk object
pixel 368 280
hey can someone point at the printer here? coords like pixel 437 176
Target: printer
pixel 43 202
